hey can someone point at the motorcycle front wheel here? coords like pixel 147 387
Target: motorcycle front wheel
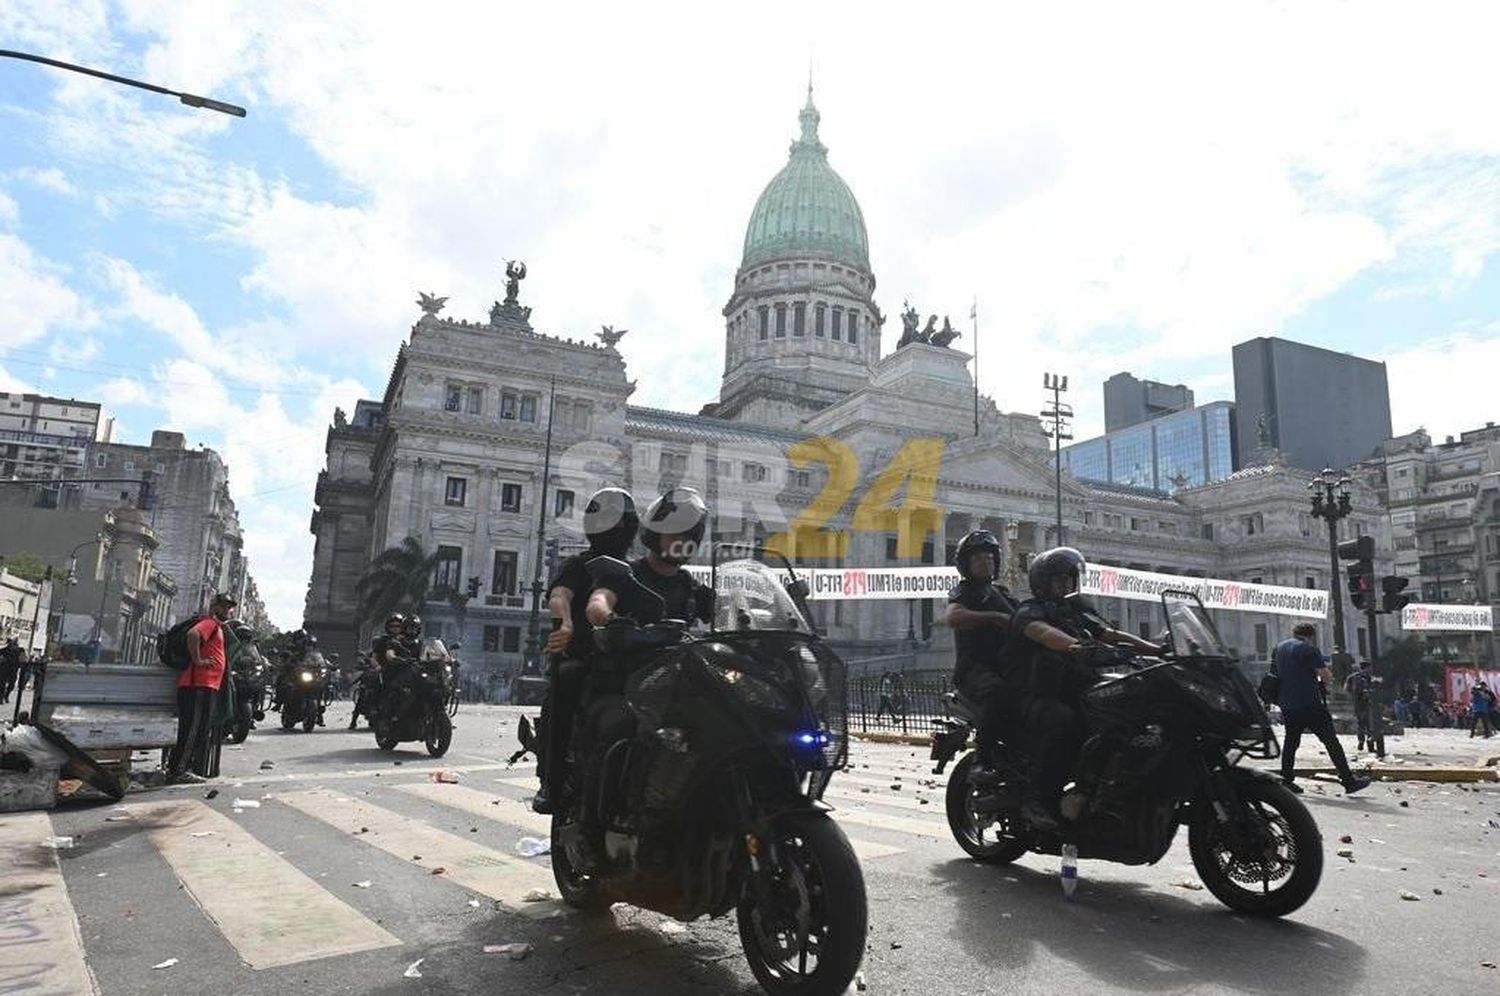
pixel 385 736
pixel 812 939
pixel 288 717
pixel 982 837
pixel 439 733
pixel 1276 864
pixel 239 729
pixel 309 714
pixel 582 892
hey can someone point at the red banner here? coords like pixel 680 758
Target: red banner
pixel 1459 680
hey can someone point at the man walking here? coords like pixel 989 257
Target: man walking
pixel 197 684
pixel 11 662
pixel 1304 679
pixel 1482 704
pixel 1361 685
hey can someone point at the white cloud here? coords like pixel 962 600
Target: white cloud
pixel 50 179
pixel 74 350
pixel 10 211
pixel 1445 384
pixel 124 391
pixel 34 298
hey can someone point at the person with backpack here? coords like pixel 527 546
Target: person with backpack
pixel 200 679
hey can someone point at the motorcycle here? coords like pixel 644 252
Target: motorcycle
pixel 249 676
pixel 716 803
pixel 303 686
pixel 1165 737
pixel 414 702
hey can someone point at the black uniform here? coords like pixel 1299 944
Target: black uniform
pixel 1045 685
pixel 977 672
pixel 566 672
pixel 608 720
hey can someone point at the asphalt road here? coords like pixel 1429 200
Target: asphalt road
pixel 329 883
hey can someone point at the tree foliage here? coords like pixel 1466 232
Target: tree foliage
pixel 27 566
pixel 399 579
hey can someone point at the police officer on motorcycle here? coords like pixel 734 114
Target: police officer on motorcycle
pixel 979 612
pixel 1045 674
pixel 610 522
pixel 671 531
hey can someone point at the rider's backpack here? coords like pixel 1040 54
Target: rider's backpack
pixel 171 646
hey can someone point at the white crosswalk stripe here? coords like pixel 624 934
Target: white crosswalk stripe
pixel 41 950
pixel 499 875
pixel 275 915
pixel 865 850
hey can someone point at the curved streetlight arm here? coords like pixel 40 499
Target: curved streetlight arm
pixel 190 99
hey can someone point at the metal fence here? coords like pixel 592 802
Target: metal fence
pixel 897 702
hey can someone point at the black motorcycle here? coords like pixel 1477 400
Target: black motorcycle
pixel 365 689
pixel 715 804
pixel 1165 737
pixel 249 676
pixel 414 701
pixel 303 690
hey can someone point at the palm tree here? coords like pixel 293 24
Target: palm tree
pixel 398 579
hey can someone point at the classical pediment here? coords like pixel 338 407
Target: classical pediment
pixel 1000 465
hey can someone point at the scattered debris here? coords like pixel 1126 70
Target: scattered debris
pixel 1346 839
pixel 537 896
pixel 1404 804
pixel 1345 852
pixel 474 903
pixel 211 794
pixel 362 885
pixel 267 765
pixel 859 983
pixel 533 847
pixel 439 870
pixel 246 803
pixel 1190 885
pixel 1410 896
pixel 1437 892
pixel 895 945
pixel 412 971
pixel 102 875
pixel 1486 964
pixel 203 833
pixel 516 952
pixel 58 843
pixel 896 787
pixel 166 964
pixel 116 819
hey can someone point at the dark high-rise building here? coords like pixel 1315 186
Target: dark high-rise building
pixel 1318 407
pixel 1130 401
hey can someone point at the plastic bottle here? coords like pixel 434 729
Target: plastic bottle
pixel 1069 870
pixel 445 777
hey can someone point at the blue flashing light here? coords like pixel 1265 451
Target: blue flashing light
pixel 817 739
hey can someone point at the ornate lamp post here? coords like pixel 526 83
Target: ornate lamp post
pixel 1331 502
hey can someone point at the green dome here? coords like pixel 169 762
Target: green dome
pixel 807 207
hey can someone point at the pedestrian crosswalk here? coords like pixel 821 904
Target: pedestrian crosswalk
pixel 245 871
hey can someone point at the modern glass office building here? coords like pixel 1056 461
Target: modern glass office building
pixel 1183 449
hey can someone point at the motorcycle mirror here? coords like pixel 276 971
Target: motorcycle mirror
pixel 797 589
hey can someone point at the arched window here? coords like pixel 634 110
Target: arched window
pixel 819 311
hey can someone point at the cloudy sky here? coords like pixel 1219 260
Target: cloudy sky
pixel 1122 186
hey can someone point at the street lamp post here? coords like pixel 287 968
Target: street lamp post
pixel 1331 502
pixel 1060 415
pixel 68 583
pixel 533 628
pixel 190 99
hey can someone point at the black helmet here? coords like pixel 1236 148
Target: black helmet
pixel 610 522
pixel 1060 561
pixel 412 625
pixel 679 512
pixel 242 631
pixel 397 618
pixel 979 539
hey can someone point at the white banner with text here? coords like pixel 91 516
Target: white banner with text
pixel 1458 618
pixel 893 583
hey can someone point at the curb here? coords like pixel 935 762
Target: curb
pixel 902 739
pixel 1413 774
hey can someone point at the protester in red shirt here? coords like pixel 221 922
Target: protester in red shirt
pixel 197 684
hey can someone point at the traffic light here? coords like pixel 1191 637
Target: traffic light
pixel 474 586
pixel 1391 597
pixel 1362 571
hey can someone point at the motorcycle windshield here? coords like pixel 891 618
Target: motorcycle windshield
pixel 434 649
pixel 1193 633
pixel 750 596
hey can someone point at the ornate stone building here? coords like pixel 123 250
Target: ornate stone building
pixel 815 435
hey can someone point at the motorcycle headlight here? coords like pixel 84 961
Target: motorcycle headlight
pixel 753 691
pixel 1212 695
pixel 307 676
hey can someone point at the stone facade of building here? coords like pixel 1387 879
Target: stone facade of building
pixel 1445 521
pixel 816 439
pixel 191 512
